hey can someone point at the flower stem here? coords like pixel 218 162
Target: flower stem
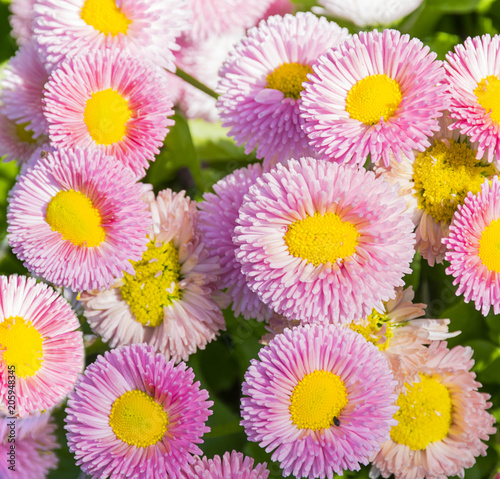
pixel 193 81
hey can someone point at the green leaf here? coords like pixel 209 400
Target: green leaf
pixel 464 317
pixel 177 160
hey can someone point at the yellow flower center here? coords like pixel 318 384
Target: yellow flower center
pixel 72 214
pixel 22 346
pixel 24 133
pixel 137 419
pixel 105 17
pixel 488 96
pixel 489 246
pixel 376 329
pixel 321 239
pixel 443 176
pixel 372 98
pixel 425 414
pixel 288 78
pixel 154 285
pixel 106 115
pixel 318 398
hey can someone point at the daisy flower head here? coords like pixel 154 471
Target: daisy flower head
pixel 76 218
pixel 34 441
pixel 377 93
pixel 22 85
pixel 169 301
pixel 232 465
pixel 322 241
pixel 435 183
pixel 473 80
pixel 146 29
pixel 401 334
pixel 472 248
pixel 262 80
pixel 442 420
pixel 135 414
pixel 110 102
pixel 321 397
pixel 365 13
pixel 217 221
pixel 215 18
pixel 41 350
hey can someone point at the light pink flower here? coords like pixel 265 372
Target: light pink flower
pixel 472 248
pixel 39 346
pixel 97 220
pixel 470 424
pixel 146 29
pixel 261 81
pixel 378 94
pixel 319 241
pixel 350 402
pixel 111 102
pixel 134 414
pixel 471 72
pixel 33 441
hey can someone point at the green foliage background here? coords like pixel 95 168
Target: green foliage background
pixel 196 154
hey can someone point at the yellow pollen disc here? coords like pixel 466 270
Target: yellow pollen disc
pixel 154 285
pixel 317 399
pixel 288 78
pixel 22 346
pixel 376 328
pixel 372 98
pixel 425 414
pixel 137 419
pixel 106 115
pixel 444 174
pixel 73 215
pixel 105 17
pixel 488 96
pixel 321 239
pixel 489 246
pixel 24 133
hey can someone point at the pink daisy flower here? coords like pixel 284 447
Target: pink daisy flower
pixel 472 248
pixel 134 414
pixel 76 219
pixel 472 78
pixel 400 333
pixel 32 454
pixel 220 17
pixel 323 241
pixel 22 90
pixel 169 300
pixel 112 103
pixel 435 183
pixel 232 465
pixel 321 413
pixel 376 93
pixel 22 20
pixel 278 7
pixel 17 142
pixel 262 79
pixel 442 420
pixel 218 218
pixel 40 349
pixel 146 29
